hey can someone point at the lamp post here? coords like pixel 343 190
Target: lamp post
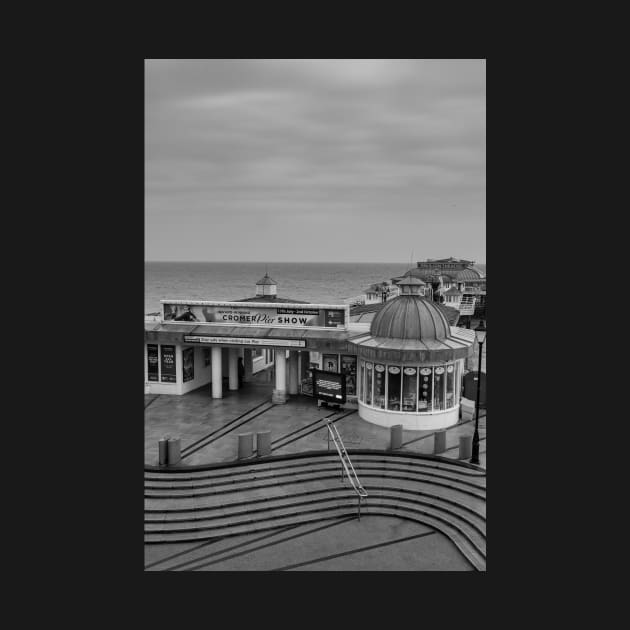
pixel 480 335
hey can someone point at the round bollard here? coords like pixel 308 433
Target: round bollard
pixel 245 445
pixel 465 446
pixel 396 435
pixel 174 451
pixel 439 442
pixel 162 451
pixel 263 443
pixel 468 409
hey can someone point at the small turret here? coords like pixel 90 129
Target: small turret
pixel 266 286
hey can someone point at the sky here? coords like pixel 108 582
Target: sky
pixel 329 160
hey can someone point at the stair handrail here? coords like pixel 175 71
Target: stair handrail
pixel 354 479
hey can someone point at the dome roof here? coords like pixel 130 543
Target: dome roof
pixel 410 317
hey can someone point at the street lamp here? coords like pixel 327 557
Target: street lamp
pixel 480 336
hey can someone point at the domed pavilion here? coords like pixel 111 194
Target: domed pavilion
pixel 411 363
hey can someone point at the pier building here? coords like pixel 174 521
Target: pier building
pixel 405 366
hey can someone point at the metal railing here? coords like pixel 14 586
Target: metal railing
pixel 346 465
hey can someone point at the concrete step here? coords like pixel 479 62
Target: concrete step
pixel 248 511
pixel 157 474
pixel 327 475
pixel 462 534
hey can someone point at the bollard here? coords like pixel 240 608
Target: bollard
pixel 162 451
pixel 465 446
pixel 174 451
pixel 468 409
pixel 263 443
pixel 439 442
pixel 396 433
pixel 245 445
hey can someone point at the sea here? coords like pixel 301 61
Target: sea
pixel 317 283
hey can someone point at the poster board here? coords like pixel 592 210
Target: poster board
pixel 188 358
pixel 329 386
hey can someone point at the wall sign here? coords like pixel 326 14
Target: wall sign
pixel 329 361
pixel 169 374
pixel 246 341
pixel 258 314
pixel 152 362
pixel 188 357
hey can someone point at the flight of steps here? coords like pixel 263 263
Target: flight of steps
pixel 199 503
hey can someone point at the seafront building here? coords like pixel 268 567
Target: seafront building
pixel 456 283
pixel 402 365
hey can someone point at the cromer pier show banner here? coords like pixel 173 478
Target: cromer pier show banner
pixel 262 314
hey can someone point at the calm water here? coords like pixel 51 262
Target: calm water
pixel 328 283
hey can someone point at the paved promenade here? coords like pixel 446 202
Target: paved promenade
pixel 197 414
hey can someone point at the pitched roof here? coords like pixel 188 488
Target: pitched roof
pixel 266 280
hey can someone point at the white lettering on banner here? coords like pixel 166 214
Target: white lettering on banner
pixel 246 341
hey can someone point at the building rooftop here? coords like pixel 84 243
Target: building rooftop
pixel 266 280
pixel 410 317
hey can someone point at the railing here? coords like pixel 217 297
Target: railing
pixel 346 465
pixel 467 305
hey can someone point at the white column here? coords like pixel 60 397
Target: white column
pixel 293 372
pixel 233 369
pixel 248 362
pixel 279 395
pixel 217 372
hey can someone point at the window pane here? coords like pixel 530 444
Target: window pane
pixel 393 387
pixel 362 381
pixel 379 386
pixel 439 387
pixel 450 386
pixel 349 368
pixel 410 387
pixel 368 383
pixel 425 388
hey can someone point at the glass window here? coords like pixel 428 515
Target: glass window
pixel 379 386
pixel 439 387
pixel 450 386
pixel 393 387
pixel 410 388
pixel 425 389
pixel 330 362
pixel 349 368
pixel 368 383
pixel 362 381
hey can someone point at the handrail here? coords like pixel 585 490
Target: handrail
pixel 341 450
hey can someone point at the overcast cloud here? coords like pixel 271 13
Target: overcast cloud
pixel 315 160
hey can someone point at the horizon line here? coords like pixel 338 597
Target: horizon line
pixel 286 262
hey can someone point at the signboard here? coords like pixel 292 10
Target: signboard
pixel 188 357
pixel 152 362
pixel 168 364
pixel 329 386
pixel 256 314
pixel 246 341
